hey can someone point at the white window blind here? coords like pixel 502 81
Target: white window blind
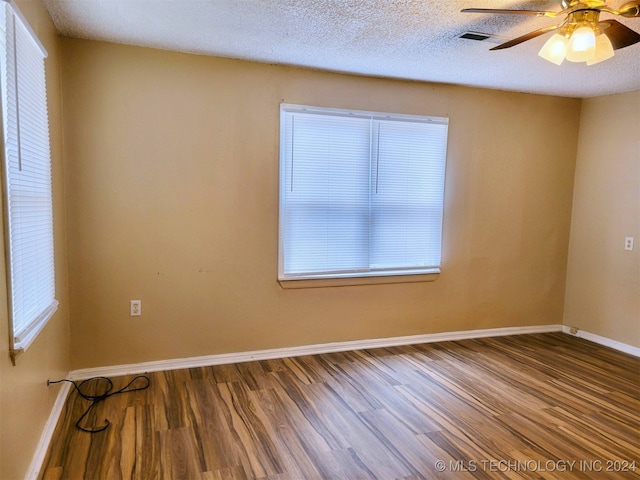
pixel 27 178
pixel 361 193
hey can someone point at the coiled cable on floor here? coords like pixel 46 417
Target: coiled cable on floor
pixel 95 399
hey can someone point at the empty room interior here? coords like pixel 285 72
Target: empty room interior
pixel 205 210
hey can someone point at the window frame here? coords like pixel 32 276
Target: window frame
pixel 25 55
pixel 370 276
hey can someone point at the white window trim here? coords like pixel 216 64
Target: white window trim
pixel 324 279
pixel 20 342
pixel 34 38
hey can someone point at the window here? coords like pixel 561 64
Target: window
pixel 361 193
pixel 27 179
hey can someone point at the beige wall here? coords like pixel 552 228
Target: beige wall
pixel 172 185
pixel 603 280
pixel 25 400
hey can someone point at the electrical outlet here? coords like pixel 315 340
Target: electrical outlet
pixel 573 330
pixel 628 243
pixel 135 308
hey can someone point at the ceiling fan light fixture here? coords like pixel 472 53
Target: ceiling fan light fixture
pixel 581 36
pixel 604 50
pixel 582 44
pixel 555 49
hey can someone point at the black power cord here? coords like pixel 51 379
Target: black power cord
pixel 95 399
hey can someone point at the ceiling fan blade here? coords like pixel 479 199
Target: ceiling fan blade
pixel 630 9
pixel 538 13
pixel 620 35
pixel 526 36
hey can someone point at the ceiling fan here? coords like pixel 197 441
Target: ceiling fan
pixel 581 36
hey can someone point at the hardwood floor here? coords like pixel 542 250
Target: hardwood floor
pixel 527 406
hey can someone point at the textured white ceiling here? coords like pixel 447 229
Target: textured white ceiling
pixel 409 39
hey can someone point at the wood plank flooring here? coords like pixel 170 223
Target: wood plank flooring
pixel 523 406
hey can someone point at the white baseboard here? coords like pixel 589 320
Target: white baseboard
pixel 607 342
pixel 47 433
pixel 226 358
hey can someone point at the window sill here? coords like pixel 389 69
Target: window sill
pixel 25 342
pixel 352 281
